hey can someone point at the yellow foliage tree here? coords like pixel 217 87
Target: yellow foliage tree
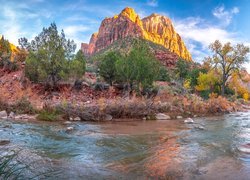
pixel 206 81
pixel 238 86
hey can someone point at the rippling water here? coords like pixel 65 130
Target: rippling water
pixel 214 147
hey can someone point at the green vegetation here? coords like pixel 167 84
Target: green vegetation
pixel 7 62
pixel 10 168
pixel 107 66
pixel 51 57
pixel 136 70
pixel 48 115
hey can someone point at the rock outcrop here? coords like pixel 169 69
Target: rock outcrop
pixel 155 28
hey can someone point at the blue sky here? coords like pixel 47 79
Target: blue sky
pixel 199 22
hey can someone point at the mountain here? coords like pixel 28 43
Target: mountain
pixel 155 28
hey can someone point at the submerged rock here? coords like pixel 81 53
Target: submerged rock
pixel 200 127
pixel 4 142
pixel 161 116
pixel 69 129
pixel 189 121
pixel 67 122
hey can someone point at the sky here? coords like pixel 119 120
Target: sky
pixel 199 22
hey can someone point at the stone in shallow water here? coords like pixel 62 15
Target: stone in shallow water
pixel 3 114
pixel 4 142
pixel 189 121
pixel 69 129
pixel 12 115
pixel 179 117
pixel 245 148
pixel 67 122
pixel 161 116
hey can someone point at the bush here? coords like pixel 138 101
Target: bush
pixel 49 115
pixel 163 74
pixel 23 106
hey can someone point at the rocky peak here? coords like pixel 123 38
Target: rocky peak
pixel 130 14
pixel 155 28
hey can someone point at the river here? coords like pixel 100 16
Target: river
pixel 211 148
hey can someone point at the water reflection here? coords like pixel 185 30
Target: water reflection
pixel 149 149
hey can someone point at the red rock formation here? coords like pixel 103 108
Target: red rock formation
pixel 155 28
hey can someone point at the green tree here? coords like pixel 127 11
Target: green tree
pixel 77 65
pixel 182 69
pixel 139 67
pixel 49 54
pixel 227 59
pixel 107 66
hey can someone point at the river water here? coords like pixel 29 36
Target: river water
pixel 211 148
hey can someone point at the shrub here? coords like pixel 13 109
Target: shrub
pixel 49 115
pixel 23 106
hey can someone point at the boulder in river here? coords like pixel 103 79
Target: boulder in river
pixel 69 129
pixel 189 121
pixel 3 114
pixel 12 115
pixel 77 119
pixel 161 116
pixel 179 117
pixel 108 117
pixel 67 122
pixel 4 142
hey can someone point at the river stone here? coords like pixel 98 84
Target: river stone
pixel 69 129
pixel 77 119
pixel 67 122
pixel 199 127
pixel 108 117
pixel 4 142
pixel 179 117
pixel 12 115
pixel 161 116
pixel 189 121
pixel 3 114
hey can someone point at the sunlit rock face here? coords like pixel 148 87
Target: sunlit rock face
pixel 159 29
pixel 155 28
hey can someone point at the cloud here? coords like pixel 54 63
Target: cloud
pixel 152 3
pixel 199 34
pixel 224 15
pixel 76 32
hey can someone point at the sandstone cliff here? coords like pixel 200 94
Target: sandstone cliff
pixel 155 28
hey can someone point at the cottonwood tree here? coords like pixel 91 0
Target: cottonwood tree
pixel 227 59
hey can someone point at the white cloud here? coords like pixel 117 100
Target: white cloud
pixel 225 15
pixel 152 3
pixel 75 32
pixel 198 30
pixel 199 34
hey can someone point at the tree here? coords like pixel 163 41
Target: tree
pixel 107 66
pixel 77 65
pixel 5 50
pixel 182 68
pixel 138 68
pixel 227 59
pixel 49 54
